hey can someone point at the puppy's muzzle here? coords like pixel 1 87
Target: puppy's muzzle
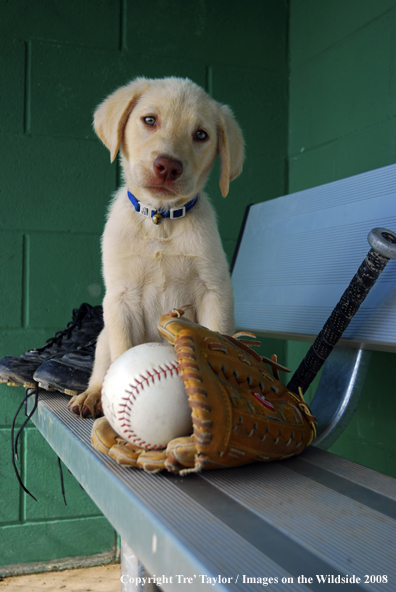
pixel 167 169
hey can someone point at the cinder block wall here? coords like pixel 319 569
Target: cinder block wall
pixel 342 122
pixel 58 60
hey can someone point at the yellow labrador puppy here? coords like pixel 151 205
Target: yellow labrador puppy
pixel 161 248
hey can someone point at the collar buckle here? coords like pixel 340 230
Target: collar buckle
pixel 173 212
pixel 147 210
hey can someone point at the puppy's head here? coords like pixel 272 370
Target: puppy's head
pixel 169 132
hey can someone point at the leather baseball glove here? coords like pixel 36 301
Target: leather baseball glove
pixel 241 412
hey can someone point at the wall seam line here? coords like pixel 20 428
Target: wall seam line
pixel 25 280
pixel 123 21
pixel 28 87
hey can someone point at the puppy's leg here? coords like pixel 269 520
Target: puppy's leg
pixel 87 404
pixel 124 328
pixel 215 310
pixel 123 318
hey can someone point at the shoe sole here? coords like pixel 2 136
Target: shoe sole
pixel 10 382
pixel 50 387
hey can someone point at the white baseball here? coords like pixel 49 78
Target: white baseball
pixel 143 396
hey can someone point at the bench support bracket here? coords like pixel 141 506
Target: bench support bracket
pixel 338 393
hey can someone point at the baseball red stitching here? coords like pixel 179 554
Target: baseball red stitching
pixel 135 389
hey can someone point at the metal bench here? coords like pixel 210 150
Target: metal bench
pixel 303 523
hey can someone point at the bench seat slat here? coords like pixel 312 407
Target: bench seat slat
pixel 356 473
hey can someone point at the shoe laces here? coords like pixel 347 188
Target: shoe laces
pixel 88 348
pixel 80 315
pixel 15 438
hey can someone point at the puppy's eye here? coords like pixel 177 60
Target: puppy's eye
pixel 201 136
pixel 150 120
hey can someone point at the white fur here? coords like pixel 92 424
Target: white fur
pixel 149 269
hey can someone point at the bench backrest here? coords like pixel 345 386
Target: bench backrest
pixel 297 255
pixel 299 252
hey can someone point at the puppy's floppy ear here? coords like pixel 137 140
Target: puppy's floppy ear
pixel 111 116
pixel 231 147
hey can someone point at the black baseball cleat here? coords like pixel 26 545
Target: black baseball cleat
pixel 86 324
pixel 69 374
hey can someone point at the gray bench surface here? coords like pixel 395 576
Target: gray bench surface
pixel 313 515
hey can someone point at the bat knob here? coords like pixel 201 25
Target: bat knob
pixel 383 241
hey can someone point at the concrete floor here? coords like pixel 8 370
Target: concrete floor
pixel 102 578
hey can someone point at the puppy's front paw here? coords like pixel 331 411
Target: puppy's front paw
pixel 88 404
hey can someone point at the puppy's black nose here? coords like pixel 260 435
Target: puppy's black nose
pixel 168 169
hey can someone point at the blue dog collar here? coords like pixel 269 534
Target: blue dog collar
pixel 158 215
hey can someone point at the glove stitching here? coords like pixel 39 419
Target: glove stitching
pixel 236 453
pixel 218 347
pixel 195 390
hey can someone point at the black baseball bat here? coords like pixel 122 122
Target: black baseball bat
pixel 383 248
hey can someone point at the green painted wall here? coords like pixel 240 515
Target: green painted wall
pixel 58 60
pixel 342 121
